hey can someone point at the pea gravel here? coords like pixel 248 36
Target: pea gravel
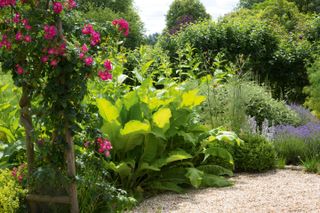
pixel 274 191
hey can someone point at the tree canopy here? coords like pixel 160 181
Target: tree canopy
pixel 183 12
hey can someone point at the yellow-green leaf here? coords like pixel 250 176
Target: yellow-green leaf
pixel 130 99
pixel 192 99
pixel 162 117
pixel 178 155
pixel 135 127
pixel 107 110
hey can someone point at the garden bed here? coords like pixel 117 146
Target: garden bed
pixel 274 191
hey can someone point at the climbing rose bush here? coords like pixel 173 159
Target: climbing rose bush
pixel 35 38
pixel 51 55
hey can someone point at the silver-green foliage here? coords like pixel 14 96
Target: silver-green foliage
pixel 230 103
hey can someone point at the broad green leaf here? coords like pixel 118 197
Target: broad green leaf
pixel 228 137
pixel 8 133
pixel 166 186
pixel 131 141
pixel 124 170
pixel 3 88
pixel 107 110
pixel 146 66
pixel 130 99
pixel 215 170
pixel 161 118
pixel 218 152
pixel 209 180
pixel 174 174
pixel 121 78
pixel 191 99
pixel 4 106
pixel 177 156
pixel 195 176
pixel 135 127
pixel 152 147
pixel 146 166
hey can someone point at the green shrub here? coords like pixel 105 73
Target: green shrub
pixel 256 154
pixel 228 105
pixel 95 192
pixel 11 193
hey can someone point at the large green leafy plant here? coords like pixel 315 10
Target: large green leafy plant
pixel 159 142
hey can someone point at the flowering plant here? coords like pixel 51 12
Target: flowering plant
pixel 51 55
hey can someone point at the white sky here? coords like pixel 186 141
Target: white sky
pixel 152 12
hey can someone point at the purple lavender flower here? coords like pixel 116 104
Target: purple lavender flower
pixel 308 130
pixel 304 114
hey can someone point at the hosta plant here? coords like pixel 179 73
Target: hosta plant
pixel 159 142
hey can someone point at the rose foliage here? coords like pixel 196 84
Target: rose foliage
pixel 52 56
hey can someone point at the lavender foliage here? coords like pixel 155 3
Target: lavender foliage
pixel 307 131
pixel 304 114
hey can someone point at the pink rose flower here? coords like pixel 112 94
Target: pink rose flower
pixel 44 58
pixel 71 4
pixel 105 75
pixel 84 48
pixel 87 29
pixel 16 18
pixel 27 38
pixel 50 32
pixel 19 36
pixel 57 7
pixel 81 55
pixel 123 26
pixel 19 69
pixel 108 65
pixel 88 61
pixel 54 63
pixel 95 38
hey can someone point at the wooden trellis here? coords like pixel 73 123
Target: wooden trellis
pixel 26 120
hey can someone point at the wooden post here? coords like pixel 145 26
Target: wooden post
pixel 26 121
pixel 71 170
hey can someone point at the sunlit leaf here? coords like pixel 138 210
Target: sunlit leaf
pixel 107 110
pixel 161 118
pixel 192 99
pixel 135 127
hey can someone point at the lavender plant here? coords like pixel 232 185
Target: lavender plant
pixel 304 114
pixel 297 144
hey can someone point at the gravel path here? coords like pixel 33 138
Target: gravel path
pixel 275 191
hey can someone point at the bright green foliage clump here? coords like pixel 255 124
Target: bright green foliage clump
pixel 9 124
pixel 255 155
pixel 11 193
pixel 158 141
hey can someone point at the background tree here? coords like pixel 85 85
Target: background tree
pixel 249 3
pixel 183 12
pixel 303 5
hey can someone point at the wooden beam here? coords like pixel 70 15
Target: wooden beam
pixel 71 170
pixel 48 199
